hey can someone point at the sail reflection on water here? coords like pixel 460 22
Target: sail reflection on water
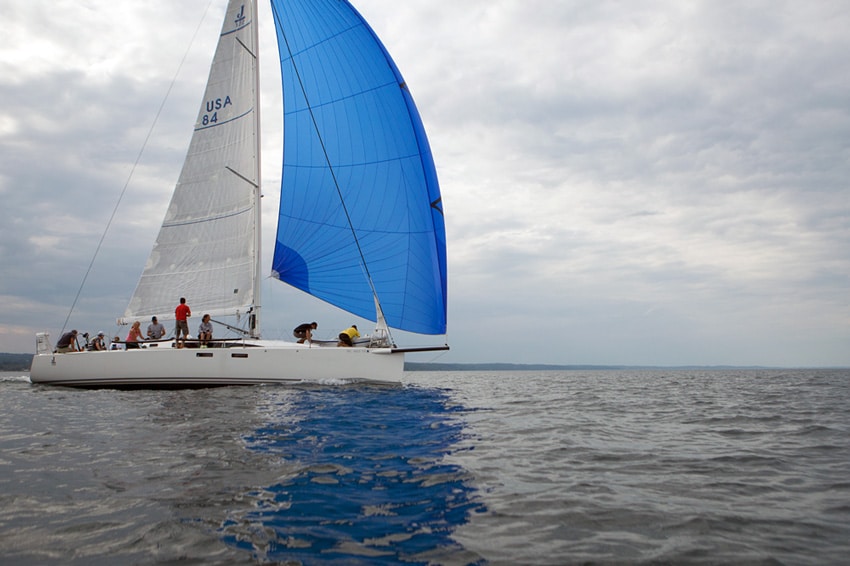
pixel 365 474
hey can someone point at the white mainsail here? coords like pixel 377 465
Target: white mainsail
pixel 208 246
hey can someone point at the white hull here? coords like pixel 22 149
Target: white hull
pixel 260 363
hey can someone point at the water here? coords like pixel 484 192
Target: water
pixel 580 467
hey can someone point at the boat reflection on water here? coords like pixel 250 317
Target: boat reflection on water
pixel 364 476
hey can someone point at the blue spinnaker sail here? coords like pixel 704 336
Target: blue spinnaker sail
pixel 359 193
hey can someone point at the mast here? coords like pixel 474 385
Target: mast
pixel 258 195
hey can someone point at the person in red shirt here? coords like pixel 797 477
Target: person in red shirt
pixel 181 313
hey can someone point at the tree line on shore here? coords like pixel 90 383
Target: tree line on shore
pixel 15 362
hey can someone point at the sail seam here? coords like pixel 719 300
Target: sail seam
pixel 225 122
pixel 208 219
pixel 375 230
pixel 412 156
pixel 234 30
pixel 335 100
pixel 206 270
pixel 293 54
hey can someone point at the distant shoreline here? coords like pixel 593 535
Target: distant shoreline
pixel 15 362
pixel 22 362
pixel 416 366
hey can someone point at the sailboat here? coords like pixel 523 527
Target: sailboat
pixel 360 226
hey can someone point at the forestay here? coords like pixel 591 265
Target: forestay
pixel 360 195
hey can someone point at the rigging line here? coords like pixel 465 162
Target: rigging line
pixel 327 157
pixel 133 168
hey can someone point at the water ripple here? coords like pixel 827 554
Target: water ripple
pixel 608 467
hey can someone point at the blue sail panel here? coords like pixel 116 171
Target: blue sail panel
pixel 359 195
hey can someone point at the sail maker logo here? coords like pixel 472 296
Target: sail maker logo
pixel 240 17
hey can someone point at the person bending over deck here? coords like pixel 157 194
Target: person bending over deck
pixel 305 331
pixel 347 336
pixel 68 343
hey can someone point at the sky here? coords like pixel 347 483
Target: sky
pixel 652 182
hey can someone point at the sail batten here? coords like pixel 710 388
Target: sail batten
pixel 358 175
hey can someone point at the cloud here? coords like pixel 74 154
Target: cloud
pixel 660 155
pixel 654 182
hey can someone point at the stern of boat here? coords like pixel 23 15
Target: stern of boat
pixel 42 343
